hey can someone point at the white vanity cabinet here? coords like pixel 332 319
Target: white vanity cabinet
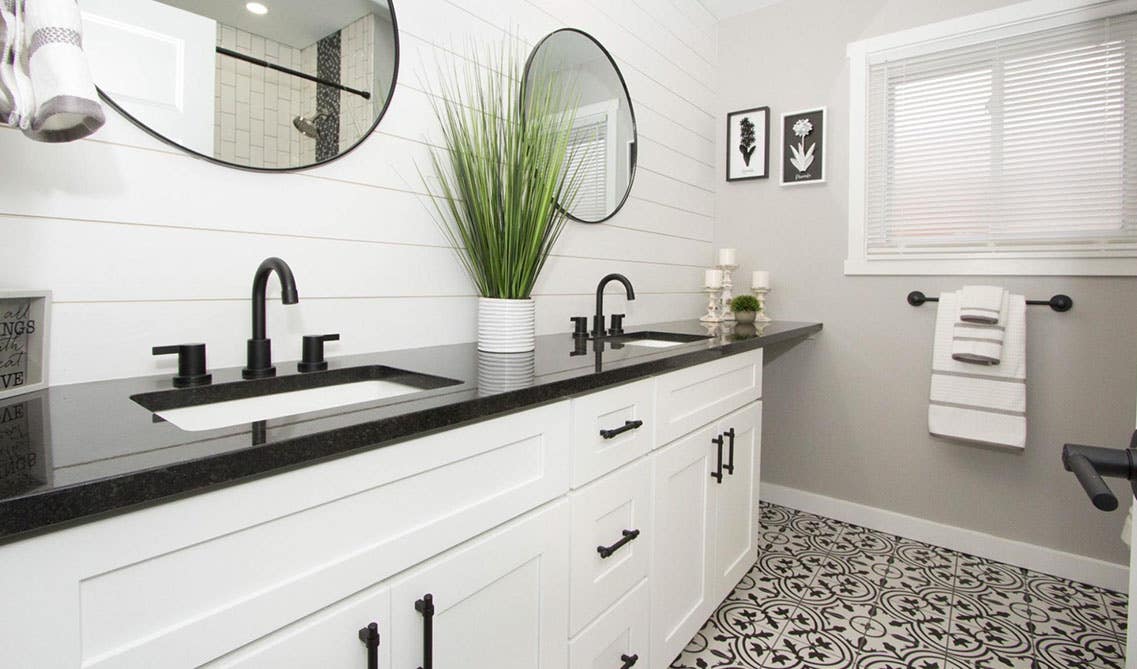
pixel 587 533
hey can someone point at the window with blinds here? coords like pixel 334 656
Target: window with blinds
pixel 1016 147
pixel 588 145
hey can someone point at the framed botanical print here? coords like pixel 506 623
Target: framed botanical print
pixel 748 144
pixel 803 147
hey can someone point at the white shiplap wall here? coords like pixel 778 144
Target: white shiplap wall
pixel 144 246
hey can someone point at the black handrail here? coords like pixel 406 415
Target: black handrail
pixel 288 70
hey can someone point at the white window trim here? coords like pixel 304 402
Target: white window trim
pixel 1005 21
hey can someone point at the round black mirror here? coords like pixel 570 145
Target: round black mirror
pixel 272 85
pixel 603 140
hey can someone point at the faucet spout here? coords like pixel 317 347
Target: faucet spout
pixel 259 346
pixel 598 320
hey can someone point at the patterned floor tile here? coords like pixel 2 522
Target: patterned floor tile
pixel 824 594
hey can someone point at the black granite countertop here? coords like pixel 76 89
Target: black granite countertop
pixel 80 452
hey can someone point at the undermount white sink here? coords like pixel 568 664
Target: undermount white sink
pixel 653 343
pixel 242 402
pixel 265 407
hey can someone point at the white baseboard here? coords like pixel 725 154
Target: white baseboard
pixel 1037 558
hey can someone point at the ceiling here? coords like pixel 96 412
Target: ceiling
pixel 296 23
pixel 724 9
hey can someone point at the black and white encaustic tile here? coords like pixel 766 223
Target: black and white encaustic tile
pixel 829 595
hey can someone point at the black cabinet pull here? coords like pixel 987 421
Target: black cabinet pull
pixel 628 425
pixel 425 606
pixel 629 661
pixel 370 637
pixel 717 475
pixel 730 467
pixel 607 551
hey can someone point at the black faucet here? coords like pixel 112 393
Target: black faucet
pixel 598 329
pixel 260 347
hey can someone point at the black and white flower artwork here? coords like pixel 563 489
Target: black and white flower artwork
pixel 747 144
pixel 803 147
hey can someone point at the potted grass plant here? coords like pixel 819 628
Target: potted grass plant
pixel 745 308
pixel 502 169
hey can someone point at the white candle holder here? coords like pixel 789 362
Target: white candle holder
pixel 727 295
pixel 762 317
pixel 712 315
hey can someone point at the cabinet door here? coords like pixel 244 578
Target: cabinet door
pixel 734 499
pixel 329 638
pixel 681 574
pixel 617 637
pixel 500 600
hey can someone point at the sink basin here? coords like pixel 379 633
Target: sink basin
pixel 650 339
pixel 229 404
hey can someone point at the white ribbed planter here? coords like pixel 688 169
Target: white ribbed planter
pixel 506 326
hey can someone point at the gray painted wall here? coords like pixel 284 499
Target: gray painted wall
pixel 848 410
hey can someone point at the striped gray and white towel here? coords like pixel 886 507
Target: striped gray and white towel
pixel 981 304
pixel 979 404
pixel 46 88
pixel 980 343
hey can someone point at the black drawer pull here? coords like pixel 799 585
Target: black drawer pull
pixel 629 661
pixel 370 637
pixel 730 467
pixel 425 606
pixel 628 425
pixel 607 551
pixel 717 475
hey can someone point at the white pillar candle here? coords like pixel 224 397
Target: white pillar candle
pixel 726 257
pixel 761 279
pixel 713 278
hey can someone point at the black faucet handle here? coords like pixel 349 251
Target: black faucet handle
pixel 617 325
pixel 579 326
pixel 191 364
pixel 313 351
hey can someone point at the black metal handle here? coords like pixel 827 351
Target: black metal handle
pixel 1057 302
pixel 717 475
pixel 425 606
pixel 730 467
pixel 370 637
pixel 607 551
pixel 629 661
pixel 628 425
pixel 1091 463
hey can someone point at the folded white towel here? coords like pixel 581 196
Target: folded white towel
pixel 985 405
pixel 979 343
pixel 982 304
pixel 46 88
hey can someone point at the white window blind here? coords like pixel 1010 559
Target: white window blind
pixel 588 145
pixel 1017 147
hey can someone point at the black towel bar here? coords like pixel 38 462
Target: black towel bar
pixel 1057 303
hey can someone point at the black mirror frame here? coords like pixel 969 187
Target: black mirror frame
pixel 248 168
pixel 635 158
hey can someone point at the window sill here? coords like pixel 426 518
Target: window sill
pixel 992 267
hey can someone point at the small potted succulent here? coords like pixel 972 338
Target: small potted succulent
pixel 745 308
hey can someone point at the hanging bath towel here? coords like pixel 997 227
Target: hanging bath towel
pixel 985 404
pixel 46 88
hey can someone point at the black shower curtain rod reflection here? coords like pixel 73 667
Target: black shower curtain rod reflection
pixel 296 73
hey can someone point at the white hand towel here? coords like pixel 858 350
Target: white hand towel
pixel 982 304
pixel 985 405
pixel 980 343
pixel 46 83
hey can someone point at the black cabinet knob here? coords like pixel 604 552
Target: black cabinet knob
pixel 617 328
pixel 579 326
pixel 191 364
pixel 313 353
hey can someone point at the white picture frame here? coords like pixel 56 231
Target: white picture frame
pixel 798 151
pixel 24 321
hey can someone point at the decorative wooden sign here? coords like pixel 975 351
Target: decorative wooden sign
pixel 23 341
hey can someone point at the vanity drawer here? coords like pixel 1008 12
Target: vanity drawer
pixel 601 514
pixel 593 453
pixel 325 532
pixel 690 398
pixel 617 636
